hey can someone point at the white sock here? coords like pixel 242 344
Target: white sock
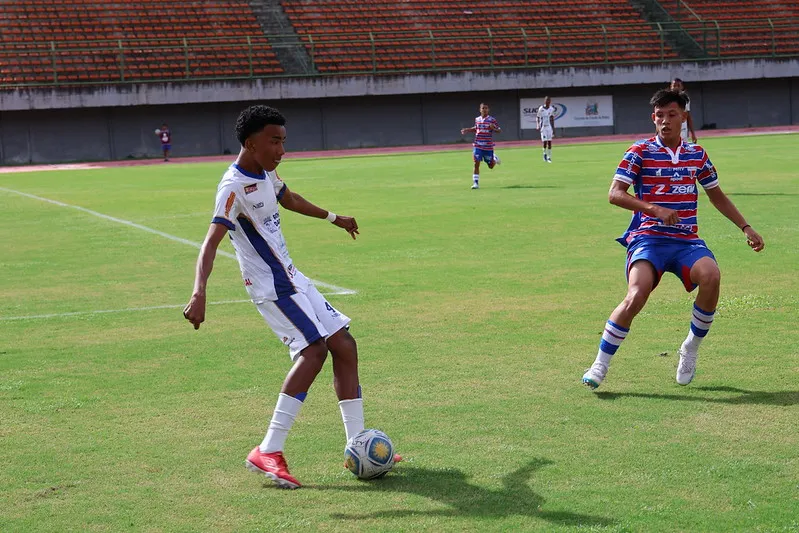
pixel 286 411
pixel 476 178
pixel 612 338
pixel 549 153
pixel 700 324
pixel 352 415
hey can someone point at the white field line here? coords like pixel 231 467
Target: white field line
pixel 325 288
pixel 107 311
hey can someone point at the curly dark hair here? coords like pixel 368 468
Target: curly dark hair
pixel 255 118
pixel 664 97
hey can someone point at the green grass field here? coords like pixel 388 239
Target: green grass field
pixel 476 314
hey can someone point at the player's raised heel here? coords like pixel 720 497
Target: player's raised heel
pixel 272 465
pixel 594 376
pixel 687 366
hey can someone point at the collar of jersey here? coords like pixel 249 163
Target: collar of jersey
pixel 249 174
pixel 675 155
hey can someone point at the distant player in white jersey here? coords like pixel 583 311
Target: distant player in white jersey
pixel 545 119
pixel 688 123
pixel 247 206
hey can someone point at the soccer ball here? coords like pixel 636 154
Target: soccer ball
pixel 369 454
pixel 157 132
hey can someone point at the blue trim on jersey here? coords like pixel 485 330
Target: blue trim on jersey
pixel 225 222
pixel 298 317
pixel 283 285
pixel 249 174
pixel 282 192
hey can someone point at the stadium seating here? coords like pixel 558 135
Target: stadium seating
pixel 734 28
pixel 69 41
pixel 381 35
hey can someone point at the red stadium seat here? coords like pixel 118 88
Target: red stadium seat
pixel 87 35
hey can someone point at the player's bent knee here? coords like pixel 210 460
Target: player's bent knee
pixel 316 352
pixel 635 301
pixel 710 278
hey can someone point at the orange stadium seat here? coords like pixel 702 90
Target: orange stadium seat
pixel 733 28
pixel 63 41
pixel 338 34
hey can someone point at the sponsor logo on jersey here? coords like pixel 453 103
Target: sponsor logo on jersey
pixel 250 188
pixel 256 206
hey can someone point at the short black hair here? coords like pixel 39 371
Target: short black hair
pixel 664 97
pixel 677 80
pixel 255 118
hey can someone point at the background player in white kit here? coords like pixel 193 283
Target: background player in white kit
pixel 247 207
pixel 545 119
pixel 688 124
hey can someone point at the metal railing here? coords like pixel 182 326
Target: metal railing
pixel 51 63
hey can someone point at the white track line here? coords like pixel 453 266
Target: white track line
pixel 331 289
pixel 107 311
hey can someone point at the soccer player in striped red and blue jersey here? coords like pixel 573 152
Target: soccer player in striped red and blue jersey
pixel 663 235
pixel 484 127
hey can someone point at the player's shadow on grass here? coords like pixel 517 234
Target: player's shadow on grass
pixel 452 488
pixel 741 396
pixel 532 187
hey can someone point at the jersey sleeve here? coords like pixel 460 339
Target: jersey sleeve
pixel 277 183
pixel 226 209
pixel 707 177
pixel 629 170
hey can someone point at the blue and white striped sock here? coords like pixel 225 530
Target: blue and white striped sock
pixel 612 337
pixel 700 324
pixel 476 179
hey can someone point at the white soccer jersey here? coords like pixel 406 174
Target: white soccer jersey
pixel 544 113
pixel 247 204
pixel 684 126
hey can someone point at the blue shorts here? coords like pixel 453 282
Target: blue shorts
pixel 166 147
pixel 483 155
pixel 668 255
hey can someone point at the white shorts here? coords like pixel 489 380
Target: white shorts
pixel 546 134
pixel 302 318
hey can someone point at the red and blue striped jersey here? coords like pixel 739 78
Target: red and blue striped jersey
pixel 666 178
pixel 484 135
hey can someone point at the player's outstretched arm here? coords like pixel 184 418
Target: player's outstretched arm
pixel 294 202
pixel 725 206
pixel 464 131
pixel 194 311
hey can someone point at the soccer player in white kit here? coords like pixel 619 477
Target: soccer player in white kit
pixel 688 124
pixel 546 125
pixel 247 209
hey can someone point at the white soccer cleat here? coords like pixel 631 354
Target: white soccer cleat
pixel 497 160
pixel 549 159
pixel 475 186
pixel 687 367
pixel 594 376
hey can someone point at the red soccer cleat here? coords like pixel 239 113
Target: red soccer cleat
pixel 272 465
